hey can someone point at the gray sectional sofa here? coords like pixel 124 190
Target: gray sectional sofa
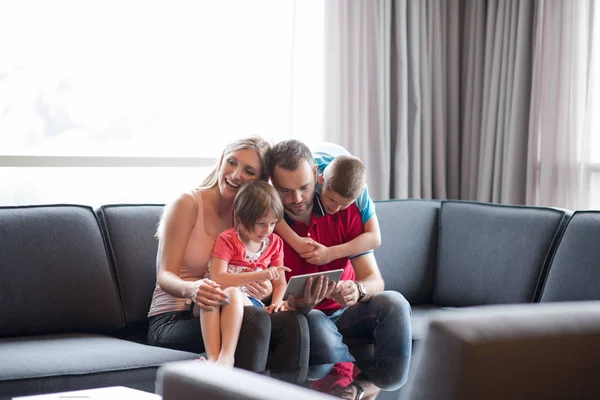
pixel 76 283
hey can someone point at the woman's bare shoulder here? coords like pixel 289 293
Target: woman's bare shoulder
pixel 185 205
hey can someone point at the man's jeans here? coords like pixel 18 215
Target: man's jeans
pixel 384 320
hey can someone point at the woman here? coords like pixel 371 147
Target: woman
pixel 187 233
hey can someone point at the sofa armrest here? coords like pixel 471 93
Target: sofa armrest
pixel 511 352
pixel 203 380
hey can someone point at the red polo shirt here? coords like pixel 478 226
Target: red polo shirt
pixel 329 230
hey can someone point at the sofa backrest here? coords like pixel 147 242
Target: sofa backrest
pixel 493 254
pixel 574 272
pixel 524 351
pixel 129 231
pixel 408 252
pixel 54 272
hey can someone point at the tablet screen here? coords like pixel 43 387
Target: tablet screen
pixel 296 284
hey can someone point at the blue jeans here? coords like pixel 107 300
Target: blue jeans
pixel 384 321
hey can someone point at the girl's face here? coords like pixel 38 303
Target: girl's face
pixel 238 167
pixel 262 228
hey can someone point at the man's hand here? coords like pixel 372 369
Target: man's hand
pixel 312 297
pixel 346 293
pixel 259 289
pixel 319 256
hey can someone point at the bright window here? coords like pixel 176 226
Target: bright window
pixel 151 79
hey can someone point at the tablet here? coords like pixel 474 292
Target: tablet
pixel 296 284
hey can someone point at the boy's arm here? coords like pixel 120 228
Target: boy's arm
pixel 298 243
pixel 367 241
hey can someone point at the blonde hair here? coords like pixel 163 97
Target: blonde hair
pixel 254 200
pixel 256 143
pixel 345 175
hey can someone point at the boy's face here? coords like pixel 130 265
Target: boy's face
pixel 332 201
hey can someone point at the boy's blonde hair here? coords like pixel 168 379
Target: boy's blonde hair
pixel 345 175
pixel 254 200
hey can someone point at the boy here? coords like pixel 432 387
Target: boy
pixel 340 182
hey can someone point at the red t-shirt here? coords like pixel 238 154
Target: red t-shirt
pixel 329 230
pixel 230 248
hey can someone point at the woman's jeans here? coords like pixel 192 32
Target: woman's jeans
pixel 277 342
pixel 384 321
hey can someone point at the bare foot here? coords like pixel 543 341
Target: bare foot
pixel 225 360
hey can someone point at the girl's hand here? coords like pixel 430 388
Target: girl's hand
pixel 260 289
pixel 273 273
pixel 208 294
pixel 276 307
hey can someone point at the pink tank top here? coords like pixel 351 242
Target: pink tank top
pixel 195 264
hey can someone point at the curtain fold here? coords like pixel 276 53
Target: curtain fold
pixel 463 99
pixel 559 124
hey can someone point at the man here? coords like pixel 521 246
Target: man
pixel 356 308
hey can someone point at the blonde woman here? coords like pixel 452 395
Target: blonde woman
pixel 187 233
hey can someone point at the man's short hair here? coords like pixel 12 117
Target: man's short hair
pixel 345 175
pixel 289 155
pixel 254 200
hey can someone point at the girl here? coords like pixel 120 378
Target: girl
pixel 244 254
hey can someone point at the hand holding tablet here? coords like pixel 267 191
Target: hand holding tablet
pixel 296 284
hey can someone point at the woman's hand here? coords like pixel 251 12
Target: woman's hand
pixel 260 289
pixel 208 294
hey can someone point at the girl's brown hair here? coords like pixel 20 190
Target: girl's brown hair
pixel 254 200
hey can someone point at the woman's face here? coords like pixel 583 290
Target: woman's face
pixel 238 167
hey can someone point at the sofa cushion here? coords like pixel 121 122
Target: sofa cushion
pixel 541 351
pixel 574 272
pixel 130 230
pixel 54 272
pixel 408 251
pixel 493 254
pixel 56 363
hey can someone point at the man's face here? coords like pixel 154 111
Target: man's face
pixel 296 188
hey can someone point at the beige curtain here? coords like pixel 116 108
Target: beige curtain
pixel 561 105
pixel 463 99
pixel 432 95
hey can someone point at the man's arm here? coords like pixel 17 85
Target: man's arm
pixel 367 273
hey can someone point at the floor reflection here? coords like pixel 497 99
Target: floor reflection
pixel 347 381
